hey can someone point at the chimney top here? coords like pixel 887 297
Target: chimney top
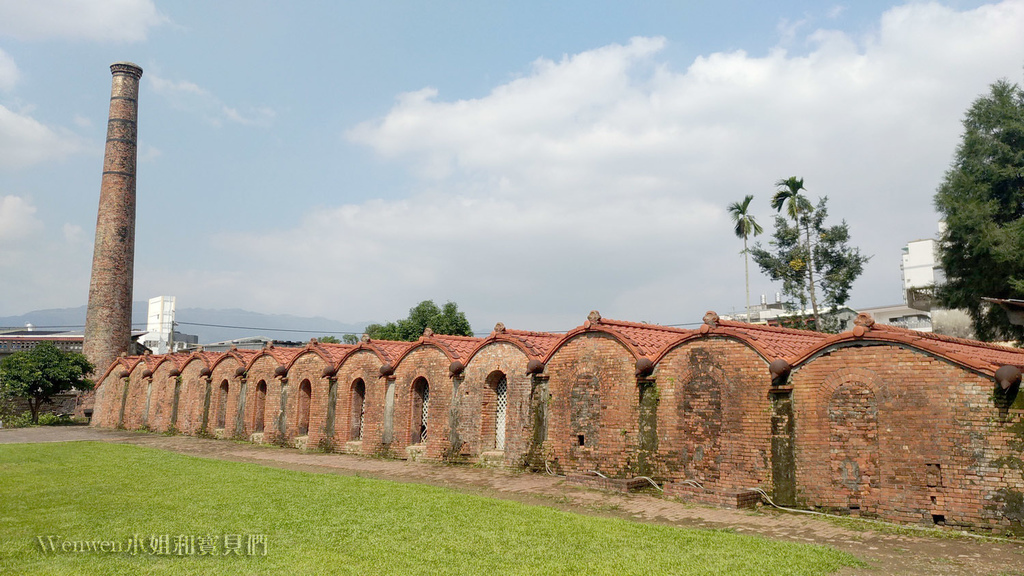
pixel 126 68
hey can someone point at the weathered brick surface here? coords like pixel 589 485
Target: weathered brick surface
pixel 714 415
pixel 362 366
pixel 896 433
pixel 429 363
pixel 876 427
pixel 109 313
pixel 593 410
pixel 192 398
pixel 477 403
pixel 161 404
pixel 307 369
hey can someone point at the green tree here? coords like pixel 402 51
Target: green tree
pixel 799 208
pixel 350 339
pixel 745 226
pixel 836 265
pixel 328 340
pixel 426 314
pixel 981 201
pixel 43 372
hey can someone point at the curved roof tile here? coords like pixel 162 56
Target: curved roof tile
pixel 983 357
pixel 771 342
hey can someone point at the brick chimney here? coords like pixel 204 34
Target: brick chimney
pixel 108 320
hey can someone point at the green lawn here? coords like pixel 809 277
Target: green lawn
pixel 326 524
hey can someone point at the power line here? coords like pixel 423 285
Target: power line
pixel 267 329
pixel 298 331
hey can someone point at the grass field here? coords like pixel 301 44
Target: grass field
pixel 66 495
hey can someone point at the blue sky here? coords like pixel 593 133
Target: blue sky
pixel 529 160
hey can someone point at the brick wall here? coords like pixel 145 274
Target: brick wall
pixel 892 432
pixel 714 415
pixel 592 421
pixel 872 428
pixel 477 403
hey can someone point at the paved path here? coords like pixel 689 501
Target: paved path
pixel 886 553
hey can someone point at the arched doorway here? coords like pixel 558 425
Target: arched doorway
pixel 358 408
pixel 260 409
pixel 222 404
pixel 420 409
pixel 305 396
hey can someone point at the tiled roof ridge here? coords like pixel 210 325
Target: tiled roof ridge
pixel 454 337
pixel 629 324
pixel 516 332
pixel 773 329
pixel 945 338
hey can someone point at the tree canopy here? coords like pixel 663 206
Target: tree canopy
pixel 43 372
pixel 800 210
pixel 445 320
pixel 745 227
pixel 789 260
pixel 981 201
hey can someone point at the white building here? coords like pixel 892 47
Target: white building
pixel 160 335
pixel 920 269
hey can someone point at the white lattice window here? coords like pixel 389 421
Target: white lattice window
pixel 362 418
pixel 500 409
pixel 423 415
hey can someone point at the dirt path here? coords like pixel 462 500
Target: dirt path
pixel 885 553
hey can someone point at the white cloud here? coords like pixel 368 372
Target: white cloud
pixel 17 219
pixel 601 179
pixel 148 153
pixel 37 268
pixel 9 73
pixel 25 141
pixel 109 20
pixel 73 234
pixel 190 97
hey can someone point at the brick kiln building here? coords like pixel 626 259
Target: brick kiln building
pixel 879 421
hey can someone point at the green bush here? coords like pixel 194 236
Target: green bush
pixel 48 419
pixel 18 421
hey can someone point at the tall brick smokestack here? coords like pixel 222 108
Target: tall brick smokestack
pixel 108 320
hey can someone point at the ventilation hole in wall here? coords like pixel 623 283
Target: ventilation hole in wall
pixel 934 501
pixel 854 508
pixel 581 440
pixel 939 519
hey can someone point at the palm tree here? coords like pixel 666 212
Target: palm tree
pixel 746 226
pixel 798 207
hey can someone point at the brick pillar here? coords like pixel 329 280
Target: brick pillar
pixel 108 320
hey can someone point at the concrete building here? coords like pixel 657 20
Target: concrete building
pixel 161 336
pixel 920 273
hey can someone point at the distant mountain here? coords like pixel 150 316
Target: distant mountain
pixel 221 323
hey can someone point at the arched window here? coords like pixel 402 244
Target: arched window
pixel 260 410
pixel 305 395
pixel 358 409
pixel 495 409
pixel 222 404
pixel 420 409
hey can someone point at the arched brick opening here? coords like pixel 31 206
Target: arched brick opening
pixel 420 408
pixel 357 410
pixel 260 409
pixel 494 411
pixel 584 411
pixel 853 444
pixel 222 405
pixel 305 398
